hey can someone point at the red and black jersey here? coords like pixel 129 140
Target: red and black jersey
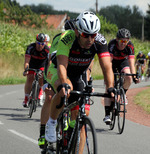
pixel 38 58
pixel 116 54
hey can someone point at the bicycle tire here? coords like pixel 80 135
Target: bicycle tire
pixel 59 134
pixel 31 108
pixel 121 111
pixel 90 140
pixel 112 116
pixel 31 101
pixel 36 93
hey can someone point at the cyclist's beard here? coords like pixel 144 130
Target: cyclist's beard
pixel 84 44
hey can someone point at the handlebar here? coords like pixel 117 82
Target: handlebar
pixel 127 74
pixel 81 94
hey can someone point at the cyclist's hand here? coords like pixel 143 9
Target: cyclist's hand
pixel 111 91
pixel 25 73
pixel 63 89
pixel 136 80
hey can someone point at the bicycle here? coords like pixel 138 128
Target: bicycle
pixel 68 141
pixel 118 108
pixel 33 97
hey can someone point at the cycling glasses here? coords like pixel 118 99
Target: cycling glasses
pixel 85 35
pixel 123 41
pixel 40 43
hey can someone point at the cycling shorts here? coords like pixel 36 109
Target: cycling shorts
pixel 78 83
pixel 32 72
pixel 120 65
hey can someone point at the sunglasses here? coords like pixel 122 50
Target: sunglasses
pixel 123 41
pixel 40 43
pixel 85 35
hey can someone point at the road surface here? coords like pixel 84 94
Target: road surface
pixel 19 134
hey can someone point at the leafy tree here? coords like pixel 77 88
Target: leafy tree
pixel 124 17
pixel 2 14
pixel 147 24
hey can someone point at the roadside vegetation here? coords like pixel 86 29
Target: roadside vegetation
pixel 143 99
pixel 14 40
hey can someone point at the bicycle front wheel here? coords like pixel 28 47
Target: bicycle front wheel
pixel 121 111
pixel 112 116
pixel 31 107
pixel 86 140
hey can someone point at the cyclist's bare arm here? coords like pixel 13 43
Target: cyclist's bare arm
pixel 89 70
pixel 132 66
pixel 62 63
pixel 26 65
pixel 106 66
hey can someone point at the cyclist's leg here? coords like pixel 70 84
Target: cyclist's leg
pixel 125 68
pixel 28 87
pixel 40 96
pixel 49 93
pixel 52 78
pixel 127 79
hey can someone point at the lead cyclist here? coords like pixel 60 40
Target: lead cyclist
pixel 75 52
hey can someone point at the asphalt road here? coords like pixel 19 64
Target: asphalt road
pixel 19 134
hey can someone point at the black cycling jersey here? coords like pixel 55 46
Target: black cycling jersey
pixel 120 58
pixel 141 59
pixel 38 58
pixel 116 54
pixel 79 58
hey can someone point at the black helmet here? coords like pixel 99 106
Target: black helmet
pixel 123 33
pixel 41 37
pixel 70 24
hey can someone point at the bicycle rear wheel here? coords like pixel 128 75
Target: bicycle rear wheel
pixel 89 139
pixel 121 111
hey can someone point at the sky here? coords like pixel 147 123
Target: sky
pixel 82 5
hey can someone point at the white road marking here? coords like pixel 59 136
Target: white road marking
pixel 8 93
pixel 23 136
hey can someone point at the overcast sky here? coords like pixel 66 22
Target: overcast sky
pixel 81 5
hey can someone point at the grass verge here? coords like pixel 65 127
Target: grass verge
pixel 143 99
pixel 12 80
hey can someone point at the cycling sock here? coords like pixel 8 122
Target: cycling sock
pixel 107 110
pixel 42 130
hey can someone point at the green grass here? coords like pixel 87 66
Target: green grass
pixel 12 80
pixel 143 99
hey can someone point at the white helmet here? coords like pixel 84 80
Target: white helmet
pixel 149 54
pixel 47 37
pixel 88 22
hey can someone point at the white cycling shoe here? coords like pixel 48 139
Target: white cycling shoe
pixel 50 131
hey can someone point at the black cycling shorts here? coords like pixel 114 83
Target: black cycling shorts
pixel 119 65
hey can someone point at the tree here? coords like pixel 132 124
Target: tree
pixel 124 17
pixel 147 24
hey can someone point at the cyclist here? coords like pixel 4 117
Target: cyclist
pixel 35 57
pixel 75 51
pixel 47 40
pixel 49 92
pixel 141 61
pixel 122 52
